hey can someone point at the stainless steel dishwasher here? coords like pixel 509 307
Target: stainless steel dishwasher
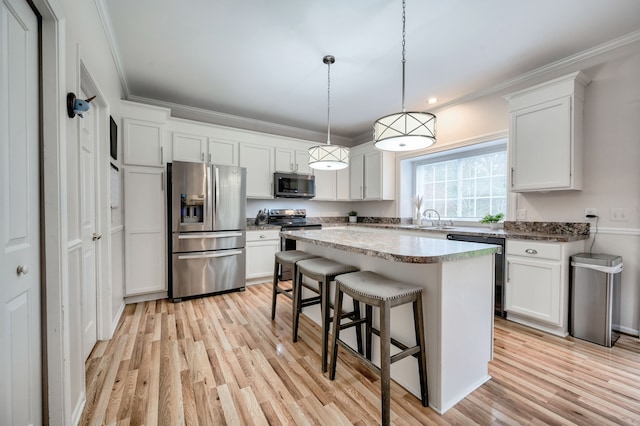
pixel 499 265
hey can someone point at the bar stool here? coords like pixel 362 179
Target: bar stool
pixel 286 258
pixel 377 291
pixel 323 271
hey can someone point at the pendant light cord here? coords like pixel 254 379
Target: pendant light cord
pixel 328 61
pixel 404 52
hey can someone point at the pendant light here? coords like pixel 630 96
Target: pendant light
pixel 328 157
pixel 404 131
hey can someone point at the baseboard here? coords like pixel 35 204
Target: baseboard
pixel 626 330
pixel 146 297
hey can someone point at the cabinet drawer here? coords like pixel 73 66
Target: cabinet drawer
pixel 534 249
pixel 263 235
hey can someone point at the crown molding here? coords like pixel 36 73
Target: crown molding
pixel 228 120
pixel 105 19
pixel 558 66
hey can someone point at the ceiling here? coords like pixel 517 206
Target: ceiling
pixel 261 60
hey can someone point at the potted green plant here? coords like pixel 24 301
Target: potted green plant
pixel 353 216
pixel 492 220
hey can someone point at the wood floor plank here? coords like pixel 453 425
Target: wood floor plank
pixel 222 360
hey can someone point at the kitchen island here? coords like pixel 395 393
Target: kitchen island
pixel 457 282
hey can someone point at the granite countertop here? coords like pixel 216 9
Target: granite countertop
pixel 392 246
pixel 550 233
pixel 266 227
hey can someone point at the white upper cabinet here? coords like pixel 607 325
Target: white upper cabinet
pixel 372 174
pixel 292 160
pixel 325 185
pixel 545 135
pixel 191 148
pixel 258 160
pixel 223 152
pixel 143 134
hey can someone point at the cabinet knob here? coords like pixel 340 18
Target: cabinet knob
pixel 22 270
pixel 531 251
pixel 96 236
pixel 263 236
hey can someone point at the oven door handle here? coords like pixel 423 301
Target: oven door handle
pixel 201 236
pixel 209 255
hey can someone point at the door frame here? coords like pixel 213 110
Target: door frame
pixel 55 389
pixel 102 207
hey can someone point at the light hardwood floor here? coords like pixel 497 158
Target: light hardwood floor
pixel 221 360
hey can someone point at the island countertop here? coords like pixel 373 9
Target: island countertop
pixel 392 246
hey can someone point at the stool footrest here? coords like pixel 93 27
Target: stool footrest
pixel 398 344
pixel 309 301
pixel 407 352
pixel 352 323
pixel 359 356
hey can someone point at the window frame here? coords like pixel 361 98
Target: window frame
pixel 499 144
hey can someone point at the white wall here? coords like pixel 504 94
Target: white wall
pixel 611 175
pixel 611 155
pixel 86 45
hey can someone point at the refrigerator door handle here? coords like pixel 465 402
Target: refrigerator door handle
pixel 217 235
pixel 209 255
pixel 217 189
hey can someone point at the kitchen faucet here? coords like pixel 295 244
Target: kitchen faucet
pixel 424 215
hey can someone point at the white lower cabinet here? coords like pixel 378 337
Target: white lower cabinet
pixel 262 245
pixel 144 230
pixel 537 288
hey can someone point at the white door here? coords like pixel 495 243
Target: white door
pixel 89 228
pixel 20 344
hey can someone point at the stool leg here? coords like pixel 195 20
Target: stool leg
pixel 368 325
pixel 324 306
pixel 385 362
pixel 356 314
pixel 297 296
pixel 337 313
pixel 422 357
pixel 275 290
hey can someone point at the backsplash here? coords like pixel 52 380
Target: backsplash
pixel 572 228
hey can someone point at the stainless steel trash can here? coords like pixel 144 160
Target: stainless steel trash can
pixel 595 291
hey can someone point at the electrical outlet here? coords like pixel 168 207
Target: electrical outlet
pixel 590 211
pixel 521 214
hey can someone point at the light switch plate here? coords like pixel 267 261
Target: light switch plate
pixel 619 215
pixel 521 214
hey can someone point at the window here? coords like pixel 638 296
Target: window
pixel 466 183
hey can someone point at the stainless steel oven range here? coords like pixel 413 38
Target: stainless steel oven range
pixel 290 220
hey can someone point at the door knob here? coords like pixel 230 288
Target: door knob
pixel 96 236
pixel 22 269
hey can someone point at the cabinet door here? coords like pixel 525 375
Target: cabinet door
pixel 541 146
pixel 145 230
pixel 356 176
pixel 258 160
pixel 325 185
pixel 260 258
pixel 285 160
pixel 224 153
pixel 372 176
pixel 534 289
pixel 142 143
pixel 189 147
pixel 302 161
pixel 342 184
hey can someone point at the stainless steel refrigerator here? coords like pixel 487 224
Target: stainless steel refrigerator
pixel 207 225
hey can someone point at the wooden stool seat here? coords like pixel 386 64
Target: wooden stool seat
pixel 323 271
pixel 375 290
pixel 286 258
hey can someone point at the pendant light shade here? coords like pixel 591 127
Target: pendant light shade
pixel 328 157
pixel 404 131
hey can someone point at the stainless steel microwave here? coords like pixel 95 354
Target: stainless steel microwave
pixel 293 185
